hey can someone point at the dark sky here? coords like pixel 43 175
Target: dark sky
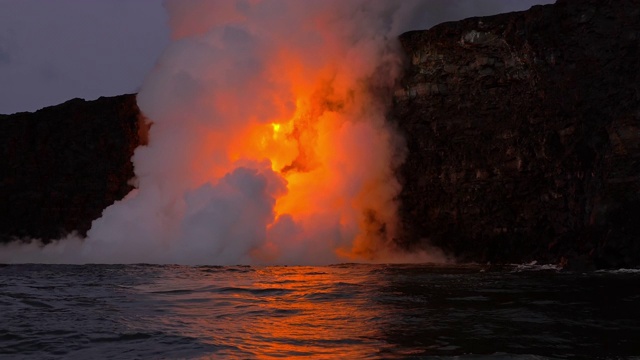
pixel 55 50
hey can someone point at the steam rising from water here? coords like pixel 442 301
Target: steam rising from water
pixel 268 144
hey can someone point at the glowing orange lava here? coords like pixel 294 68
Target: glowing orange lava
pixel 298 149
pixel 305 111
pixel 303 148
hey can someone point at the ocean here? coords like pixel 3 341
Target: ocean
pixel 346 311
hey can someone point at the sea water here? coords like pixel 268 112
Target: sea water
pixel 347 311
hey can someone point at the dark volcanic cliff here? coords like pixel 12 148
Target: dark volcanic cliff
pixel 62 165
pixel 523 132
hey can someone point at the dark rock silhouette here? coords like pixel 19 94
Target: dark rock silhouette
pixel 62 165
pixel 523 132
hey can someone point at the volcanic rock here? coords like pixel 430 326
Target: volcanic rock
pixel 523 132
pixel 62 165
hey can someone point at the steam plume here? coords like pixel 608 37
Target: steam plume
pixel 268 143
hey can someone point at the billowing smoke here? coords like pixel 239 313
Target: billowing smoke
pixel 269 142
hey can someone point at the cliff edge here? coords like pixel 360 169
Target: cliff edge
pixel 523 132
pixel 62 165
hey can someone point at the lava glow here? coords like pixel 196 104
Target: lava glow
pixel 299 99
pixel 335 166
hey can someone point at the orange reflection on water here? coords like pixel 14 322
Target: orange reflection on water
pixel 281 312
pixel 318 317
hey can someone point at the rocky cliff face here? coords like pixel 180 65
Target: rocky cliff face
pixel 62 165
pixel 523 132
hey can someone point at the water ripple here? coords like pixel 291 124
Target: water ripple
pixel 343 311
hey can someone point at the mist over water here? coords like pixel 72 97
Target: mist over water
pixel 268 141
pixel 348 311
